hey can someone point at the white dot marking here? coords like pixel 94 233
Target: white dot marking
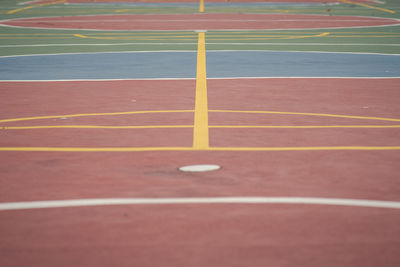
pixel 200 168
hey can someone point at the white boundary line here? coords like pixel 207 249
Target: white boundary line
pixel 313 52
pixel 193 30
pixel 193 51
pixel 205 200
pixel 177 79
pixel 128 44
pixel 106 52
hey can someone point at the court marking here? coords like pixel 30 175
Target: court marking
pixel 93 114
pixel 36 5
pixel 200 135
pixel 158 149
pixel 110 127
pixel 200 201
pixel 209 43
pixel 300 127
pixel 177 79
pixel 200 132
pixel 203 118
pixel 192 126
pixel 189 38
pixel 194 51
pixel 368 6
pixel 304 114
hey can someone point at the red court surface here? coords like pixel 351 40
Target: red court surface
pixel 337 114
pixel 201 234
pixel 200 21
pixel 327 173
pixel 196 235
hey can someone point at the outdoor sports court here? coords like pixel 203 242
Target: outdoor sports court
pixel 294 105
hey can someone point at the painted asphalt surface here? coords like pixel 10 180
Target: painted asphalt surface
pixel 202 234
pixel 138 65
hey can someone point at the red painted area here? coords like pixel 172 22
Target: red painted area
pixel 354 97
pixel 304 137
pixel 76 175
pixel 200 21
pixel 342 96
pixel 342 174
pixel 197 236
pixel 32 99
pixel 24 99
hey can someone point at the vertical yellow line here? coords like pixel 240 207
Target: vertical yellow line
pixel 201 6
pixel 200 132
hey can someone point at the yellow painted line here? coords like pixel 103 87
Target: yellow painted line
pixel 201 8
pixel 306 36
pixel 94 114
pixel 200 132
pixel 36 5
pixel 305 114
pixel 142 149
pixel 191 126
pixel 305 148
pixel 94 149
pixel 302 127
pixel 83 36
pixel 92 127
pixel 368 6
pixel 150 38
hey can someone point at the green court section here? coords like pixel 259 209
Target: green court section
pixel 15 41
pixel 19 41
pixel 11 9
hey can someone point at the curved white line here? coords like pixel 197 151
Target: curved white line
pixel 202 200
pixel 194 51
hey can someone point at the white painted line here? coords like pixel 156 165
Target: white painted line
pixel 116 44
pixel 36 21
pixel 205 200
pixel 299 51
pixel 234 43
pixel 102 80
pixel 302 77
pixel 107 52
pixel 193 51
pixel 219 78
pixel 305 44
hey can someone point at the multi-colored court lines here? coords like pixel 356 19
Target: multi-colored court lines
pixel 201 139
pixel 371 40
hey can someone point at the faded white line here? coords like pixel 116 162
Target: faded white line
pixel 218 78
pixel 205 200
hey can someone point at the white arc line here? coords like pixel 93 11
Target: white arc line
pixel 205 200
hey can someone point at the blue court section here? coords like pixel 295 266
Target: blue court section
pixel 300 64
pixel 99 66
pixel 220 64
